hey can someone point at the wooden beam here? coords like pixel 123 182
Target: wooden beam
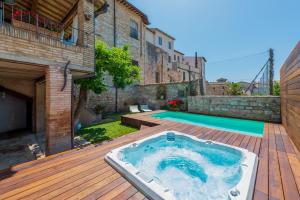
pixel 70 14
pixel 34 5
pixel 14 93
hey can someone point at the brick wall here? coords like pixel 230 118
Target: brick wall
pixel 86 38
pixel 20 45
pixel 58 111
pixel 255 108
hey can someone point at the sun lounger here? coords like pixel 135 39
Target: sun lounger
pixel 145 108
pixel 134 109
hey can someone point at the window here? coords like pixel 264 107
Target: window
pixel 170 45
pixel 175 57
pixel 160 41
pixel 178 58
pixel 183 73
pixel 133 29
pixel 169 59
pixel 157 77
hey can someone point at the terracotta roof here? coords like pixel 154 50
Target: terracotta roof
pixel 159 30
pixel 136 10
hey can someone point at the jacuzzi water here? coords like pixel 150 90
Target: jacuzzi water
pixel 188 169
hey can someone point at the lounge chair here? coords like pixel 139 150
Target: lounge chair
pixel 145 108
pixel 134 109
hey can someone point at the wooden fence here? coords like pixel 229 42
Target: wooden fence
pixel 290 95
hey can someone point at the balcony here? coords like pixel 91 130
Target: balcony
pixel 30 35
pixel 179 66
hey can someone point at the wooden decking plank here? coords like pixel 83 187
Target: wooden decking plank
pixel 114 193
pixel 257 146
pixel 290 188
pixel 82 188
pixel 35 179
pixel 85 173
pixel 251 144
pixel 261 191
pixel 48 181
pixel 291 153
pixel 217 135
pixel 202 132
pixel 63 178
pixel 137 196
pixel 225 139
pixel 238 140
pixel 245 141
pixel 126 194
pixel 101 191
pixel 232 139
pixel 275 185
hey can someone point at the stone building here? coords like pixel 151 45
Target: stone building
pixel 44 47
pixel 159 55
pixel 165 64
pixel 151 48
pixel 123 24
pixel 217 88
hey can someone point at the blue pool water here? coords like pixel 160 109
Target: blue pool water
pixel 190 169
pixel 243 126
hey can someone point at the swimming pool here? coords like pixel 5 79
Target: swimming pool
pixel 175 166
pixel 248 127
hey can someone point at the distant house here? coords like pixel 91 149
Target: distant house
pixel 248 88
pixel 217 88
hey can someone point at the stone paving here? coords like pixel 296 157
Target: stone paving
pixel 22 147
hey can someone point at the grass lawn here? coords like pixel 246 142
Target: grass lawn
pixel 106 131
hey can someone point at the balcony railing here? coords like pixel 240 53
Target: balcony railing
pixel 29 25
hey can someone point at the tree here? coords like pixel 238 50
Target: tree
pixel 276 88
pixel 122 70
pixel 221 80
pixel 117 62
pixel 234 89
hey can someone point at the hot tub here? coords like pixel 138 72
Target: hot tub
pixel 173 165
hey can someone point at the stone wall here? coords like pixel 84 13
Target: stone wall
pixel 142 94
pixel 256 108
pixel 104 29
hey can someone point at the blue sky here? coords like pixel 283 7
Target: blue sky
pixel 224 29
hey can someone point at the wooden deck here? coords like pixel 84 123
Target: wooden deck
pixel 83 174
